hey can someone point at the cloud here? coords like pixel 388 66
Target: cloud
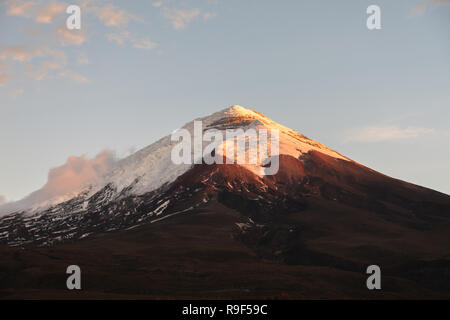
pixel 423 6
pixel 46 14
pixel 16 92
pixel 70 37
pixel 49 62
pixel 145 44
pixel 73 76
pixel 112 16
pixel 20 8
pixel 76 173
pixel 46 60
pixel 3 79
pixel 208 15
pixel 70 178
pixel 387 133
pixel 180 18
pixel 83 59
pixel 39 10
pixel 41 71
pixel 2 200
pixel 123 37
pixel 23 53
pixel 119 38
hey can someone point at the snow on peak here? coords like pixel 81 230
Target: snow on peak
pixel 237 110
pixel 291 142
pixel 151 167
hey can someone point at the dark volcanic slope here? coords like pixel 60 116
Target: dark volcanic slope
pixel 201 255
pixel 222 232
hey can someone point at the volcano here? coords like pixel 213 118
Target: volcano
pixel 155 229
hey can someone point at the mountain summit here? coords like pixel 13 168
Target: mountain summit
pixel 147 187
pixel 227 230
pixel 151 167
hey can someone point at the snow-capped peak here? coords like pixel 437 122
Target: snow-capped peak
pixel 151 167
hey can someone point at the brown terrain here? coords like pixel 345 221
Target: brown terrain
pixel 308 232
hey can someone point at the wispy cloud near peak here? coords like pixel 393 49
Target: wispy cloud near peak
pixel 77 173
pixel 386 133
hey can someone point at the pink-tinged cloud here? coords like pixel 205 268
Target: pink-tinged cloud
pixel 51 65
pixel 46 14
pixel 50 59
pixel 67 180
pixel 180 18
pixel 21 53
pixel 40 11
pixel 112 16
pixel 20 8
pixel 3 79
pixel 76 173
pixel 70 37
pixel 2 200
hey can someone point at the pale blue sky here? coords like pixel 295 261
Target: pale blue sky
pixel 380 97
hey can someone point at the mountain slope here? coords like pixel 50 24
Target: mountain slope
pixel 146 185
pixel 321 216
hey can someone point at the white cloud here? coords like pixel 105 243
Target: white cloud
pixel 386 133
pixel 119 37
pixel 145 44
pixel 73 76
